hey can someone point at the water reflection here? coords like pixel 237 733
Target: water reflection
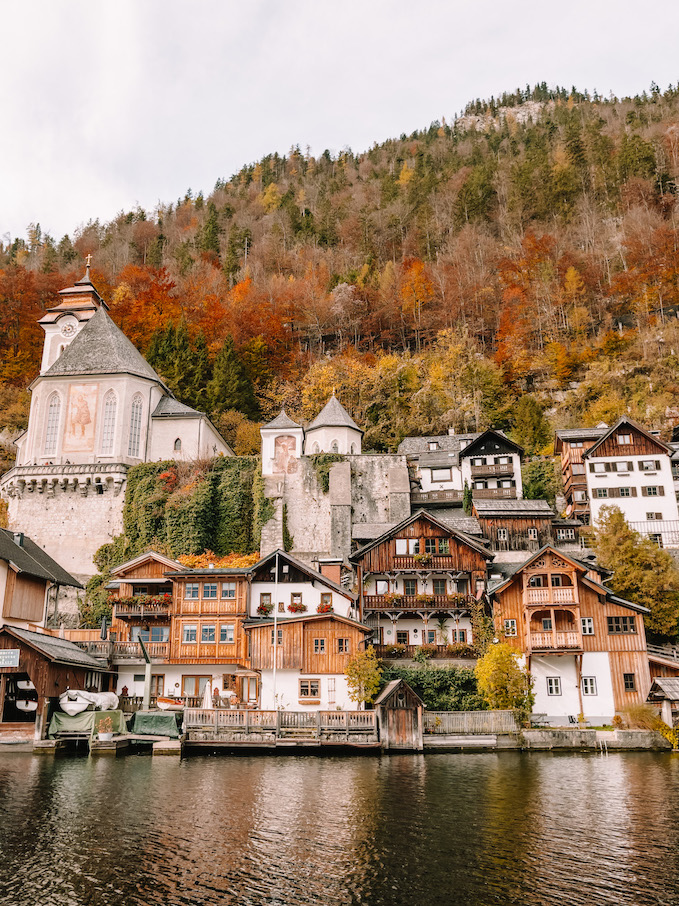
pixel 440 829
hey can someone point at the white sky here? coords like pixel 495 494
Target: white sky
pixel 107 104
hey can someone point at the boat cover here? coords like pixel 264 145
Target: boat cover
pixel 155 723
pixel 85 722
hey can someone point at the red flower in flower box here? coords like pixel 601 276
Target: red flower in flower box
pixel 324 608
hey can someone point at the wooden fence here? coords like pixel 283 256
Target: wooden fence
pixel 474 723
pixel 284 724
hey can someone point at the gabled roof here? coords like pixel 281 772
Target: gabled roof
pixel 475 444
pixel 569 434
pixel 447 443
pixel 624 420
pixel 421 514
pixel 32 560
pixel 303 567
pixel 282 420
pixel 59 651
pixel 513 508
pixel 144 558
pixel 664 687
pixel 101 348
pixel 253 623
pixel 391 687
pixel 333 415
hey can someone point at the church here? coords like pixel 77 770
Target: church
pixel 97 408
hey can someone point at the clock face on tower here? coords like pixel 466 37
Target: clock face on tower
pixel 68 328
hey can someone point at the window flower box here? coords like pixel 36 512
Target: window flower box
pixel 265 609
pixel 297 608
pixel 324 608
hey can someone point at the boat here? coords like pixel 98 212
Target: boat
pixel 170 704
pixel 73 702
pixel 26 704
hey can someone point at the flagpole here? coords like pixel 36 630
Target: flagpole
pixel 275 633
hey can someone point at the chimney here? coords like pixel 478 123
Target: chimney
pixel 451 431
pixel 19 538
pixel 331 569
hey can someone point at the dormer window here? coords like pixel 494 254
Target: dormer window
pixel 433 445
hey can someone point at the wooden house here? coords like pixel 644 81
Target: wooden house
pixel 141 596
pixel 418 581
pixel 29 581
pixel 515 525
pixel 584 646
pixel 400 717
pixel 570 444
pixel 302 659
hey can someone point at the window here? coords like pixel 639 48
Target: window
pixel 624 492
pixel 565 534
pixel 430 545
pixel 319 646
pixel 597 467
pixel 381 587
pixel 413 546
pixel 334 448
pixel 587 624
pixel 228 589
pixel 265 599
pixel 624 440
pixel 536 582
pixel 195 685
pixel 280 636
pixel 510 628
pixel 576 444
pixel 433 445
pixel 109 427
pixel 532 534
pixel 296 597
pixel 226 633
pixel 191 590
pixel 553 685
pixel 281 607
pixel 589 685
pixel 439 586
pixel 138 590
pixel 326 599
pixel 444 545
pixel 157 683
pixel 479 461
pixel 656 538
pixel 310 688
pixel 649 465
pixel 547 624
pixel 410 586
pixel 578 468
pixel 154 634
pixel 209 589
pixel 653 491
pixel 402 637
pixel 207 633
pixel 177 444
pixel 601 492
pixel 189 633
pixel 655 517
pixel 441 475
pixel 53 413
pixel 331 690
pixel 621 624
pixel 502 534
pixel 135 426
pixel 580 495
pixel 462 636
pixel 629 683
pixel 431 636
pixel 343 646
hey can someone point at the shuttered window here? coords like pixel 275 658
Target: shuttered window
pixel 53 413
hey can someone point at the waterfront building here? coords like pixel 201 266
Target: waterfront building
pixel 418 582
pixel 584 646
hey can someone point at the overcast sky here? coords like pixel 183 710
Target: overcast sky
pixel 107 104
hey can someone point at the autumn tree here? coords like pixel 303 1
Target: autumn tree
pixel 503 682
pixel 363 673
pixel 642 571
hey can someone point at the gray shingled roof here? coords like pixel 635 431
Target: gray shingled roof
pixel 59 650
pixel 668 685
pixel 101 348
pixel 581 433
pixel 333 415
pixel 449 443
pixel 513 508
pixel 172 408
pixel 457 519
pixel 282 421
pixel 33 560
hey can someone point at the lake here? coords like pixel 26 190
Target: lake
pixel 437 829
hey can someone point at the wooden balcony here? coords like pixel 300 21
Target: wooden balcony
pixel 494 493
pixel 556 641
pixel 426 562
pixel 391 652
pixel 563 594
pixel 436 498
pixel 493 469
pixel 131 651
pixel 210 606
pixel 142 608
pixel 417 602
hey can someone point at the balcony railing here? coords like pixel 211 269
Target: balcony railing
pixel 564 594
pixel 142 607
pixel 124 650
pixel 545 641
pixel 493 469
pixel 427 562
pixel 667 529
pixel 494 493
pixel 417 602
pixel 435 498
pixel 456 651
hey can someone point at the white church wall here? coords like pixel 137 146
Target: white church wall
pixel 332 440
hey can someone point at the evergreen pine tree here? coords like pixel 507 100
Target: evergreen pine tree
pixel 230 387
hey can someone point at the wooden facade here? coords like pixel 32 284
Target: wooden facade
pixel 540 611
pixel 322 644
pixel 640 443
pixel 24 597
pixel 516 533
pixel 400 713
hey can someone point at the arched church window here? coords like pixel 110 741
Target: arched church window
pixel 178 445
pixel 335 447
pixel 135 425
pixel 52 431
pixel 316 448
pixel 353 449
pixel 109 428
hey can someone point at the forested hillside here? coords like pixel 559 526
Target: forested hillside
pixel 527 249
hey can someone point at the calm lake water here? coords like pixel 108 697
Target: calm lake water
pixel 437 829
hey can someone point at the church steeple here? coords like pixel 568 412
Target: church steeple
pixel 64 321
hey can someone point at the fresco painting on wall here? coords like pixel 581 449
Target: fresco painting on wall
pixel 81 418
pixel 285 461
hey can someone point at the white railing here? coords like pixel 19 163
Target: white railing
pixel 480 723
pixel 538 596
pixel 555 640
pixel 563 594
